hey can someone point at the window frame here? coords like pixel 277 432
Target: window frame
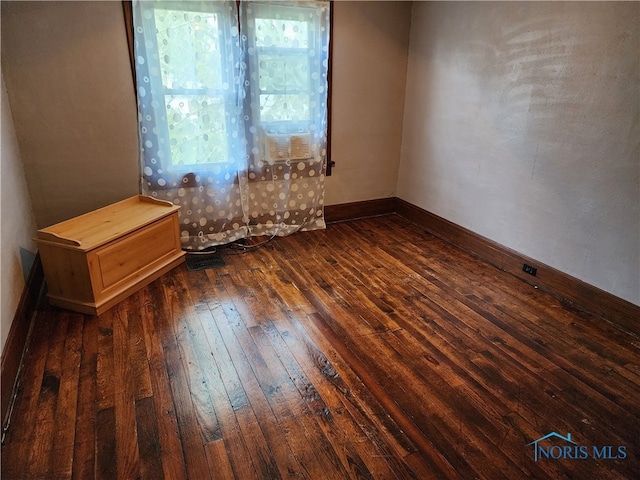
pixel 184 175
pixel 282 126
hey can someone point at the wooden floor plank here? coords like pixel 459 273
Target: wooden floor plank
pixel 309 390
pixel 127 454
pixel 178 373
pixel 371 349
pixel 149 448
pixel 196 358
pixel 42 434
pixel 233 404
pixel 137 351
pixel 256 411
pixel 104 369
pixel 85 437
pixel 254 415
pixel 218 459
pixel 273 433
pixel 309 369
pixel 154 328
pixel 438 463
pixel 61 461
pixel 337 448
pixel 300 362
pixel 106 448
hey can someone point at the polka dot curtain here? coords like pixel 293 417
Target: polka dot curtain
pixel 232 111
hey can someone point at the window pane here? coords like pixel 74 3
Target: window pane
pixel 189 48
pixel 275 108
pixel 197 129
pixel 271 32
pixel 282 73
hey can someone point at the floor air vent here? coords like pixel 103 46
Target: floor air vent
pixel 202 261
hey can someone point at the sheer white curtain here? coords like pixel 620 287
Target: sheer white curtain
pixel 232 110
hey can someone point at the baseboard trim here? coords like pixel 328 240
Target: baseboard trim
pixel 613 309
pixel 18 335
pixel 352 211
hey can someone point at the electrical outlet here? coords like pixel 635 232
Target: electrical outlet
pixel 529 269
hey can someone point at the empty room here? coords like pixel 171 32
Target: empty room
pixel 320 240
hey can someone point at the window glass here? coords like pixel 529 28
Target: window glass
pixel 273 32
pixel 189 49
pixel 197 129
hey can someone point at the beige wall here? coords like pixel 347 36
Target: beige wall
pixel 521 124
pixel 18 225
pixel 369 73
pixel 70 87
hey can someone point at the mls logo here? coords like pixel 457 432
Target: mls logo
pixel 569 449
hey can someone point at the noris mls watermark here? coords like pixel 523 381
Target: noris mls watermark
pixel 569 449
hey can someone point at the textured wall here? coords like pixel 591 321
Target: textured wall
pixel 369 73
pixel 18 224
pixel 69 82
pixel 521 124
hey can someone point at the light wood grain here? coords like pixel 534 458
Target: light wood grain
pixel 101 226
pixel 94 261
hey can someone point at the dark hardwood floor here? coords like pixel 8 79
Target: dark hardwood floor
pixel 369 350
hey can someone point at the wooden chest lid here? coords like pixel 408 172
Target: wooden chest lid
pixel 101 226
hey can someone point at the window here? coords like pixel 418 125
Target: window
pixel 190 50
pixel 277 67
pixel 190 79
pixel 285 47
pixel 282 40
pixel 232 114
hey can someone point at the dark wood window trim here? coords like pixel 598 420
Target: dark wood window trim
pixel 330 163
pixel 127 10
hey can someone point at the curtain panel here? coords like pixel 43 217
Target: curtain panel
pixel 232 113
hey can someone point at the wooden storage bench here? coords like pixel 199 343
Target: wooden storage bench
pixel 96 260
